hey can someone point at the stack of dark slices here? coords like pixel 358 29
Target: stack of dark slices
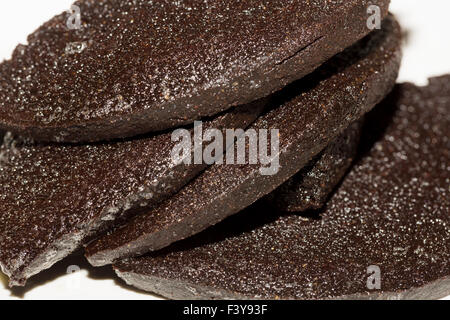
pixel 354 202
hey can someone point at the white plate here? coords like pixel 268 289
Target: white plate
pixel 426 54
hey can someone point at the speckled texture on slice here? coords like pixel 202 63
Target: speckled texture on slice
pixel 310 188
pixel 54 197
pixel 140 66
pixel 310 114
pixel 392 211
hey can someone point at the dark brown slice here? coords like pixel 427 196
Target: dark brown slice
pixel 53 198
pixel 392 212
pixel 140 66
pixel 310 188
pixel 311 114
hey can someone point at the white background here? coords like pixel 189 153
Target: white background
pixel 426 53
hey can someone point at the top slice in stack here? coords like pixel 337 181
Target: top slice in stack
pixel 142 66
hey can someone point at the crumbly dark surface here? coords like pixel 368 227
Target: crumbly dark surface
pixel 54 197
pixel 309 189
pixel 309 114
pixel 392 211
pixel 140 66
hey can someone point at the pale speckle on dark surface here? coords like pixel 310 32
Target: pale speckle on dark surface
pixel 310 114
pixel 392 210
pixel 137 66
